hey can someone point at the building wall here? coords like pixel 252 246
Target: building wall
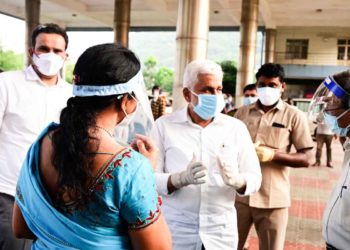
pixel 322 49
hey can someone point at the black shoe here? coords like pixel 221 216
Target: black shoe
pixel 329 165
pixel 316 164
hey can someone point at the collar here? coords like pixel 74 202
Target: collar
pixel 183 117
pixel 31 75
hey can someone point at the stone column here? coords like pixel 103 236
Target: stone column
pixel 191 41
pixel 248 30
pixel 122 9
pixel 32 19
pixel 270 35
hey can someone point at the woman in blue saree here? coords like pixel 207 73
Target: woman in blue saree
pixel 78 188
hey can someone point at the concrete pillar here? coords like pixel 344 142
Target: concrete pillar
pixel 32 19
pixel 191 41
pixel 122 9
pixel 248 30
pixel 270 42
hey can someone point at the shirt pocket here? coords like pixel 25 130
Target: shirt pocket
pixel 276 137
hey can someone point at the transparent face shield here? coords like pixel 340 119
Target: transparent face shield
pixel 329 97
pixel 142 121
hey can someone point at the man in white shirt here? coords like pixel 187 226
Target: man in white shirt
pixel 332 100
pixel 205 159
pixel 29 101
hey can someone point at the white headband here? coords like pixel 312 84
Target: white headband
pixel 120 88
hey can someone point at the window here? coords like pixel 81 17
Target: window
pixel 297 48
pixel 343 49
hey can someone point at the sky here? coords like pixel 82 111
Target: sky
pixel 162 45
pixel 78 41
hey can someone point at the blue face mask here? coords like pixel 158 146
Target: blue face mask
pixel 332 122
pixel 249 100
pixel 208 106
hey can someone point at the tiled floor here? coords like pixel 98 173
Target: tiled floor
pixel 311 188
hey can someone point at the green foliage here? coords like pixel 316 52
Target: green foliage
pixel 230 73
pixel 69 72
pixel 11 61
pixel 163 77
pixel 151 62
pixel 150 68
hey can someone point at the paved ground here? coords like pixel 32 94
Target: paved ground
pixel 311 188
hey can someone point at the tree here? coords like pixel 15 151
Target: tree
pixel 149 71
pixel 69 72
pixel 230 73
pixel 11 61
pixel 164 78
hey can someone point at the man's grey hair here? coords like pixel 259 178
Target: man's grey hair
pixel 196 67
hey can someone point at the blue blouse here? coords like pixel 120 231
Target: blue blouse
pixel 124 196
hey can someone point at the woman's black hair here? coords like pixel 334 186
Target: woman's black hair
pixel 105 64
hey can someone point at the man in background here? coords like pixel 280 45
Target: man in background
pixel 324 135
pixel 29 101
pixel 274 126
pixel 250 96
pixel 158 102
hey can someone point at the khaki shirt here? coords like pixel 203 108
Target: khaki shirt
pixel 279 128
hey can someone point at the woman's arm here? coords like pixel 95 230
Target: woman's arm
pixel 155 236
pixel 19 225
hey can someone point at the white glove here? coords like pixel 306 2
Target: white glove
pixel 230 175
pixel 194 174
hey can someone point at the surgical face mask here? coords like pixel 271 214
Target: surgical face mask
pixel 249 100
pixel 269 96
pixel 128 117
pixel 332 123
pixel 208 106
pixel 49 64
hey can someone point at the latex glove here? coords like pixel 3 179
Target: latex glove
pixel 265 154
pixel 194 174
pixel 146 147
pixel 230 175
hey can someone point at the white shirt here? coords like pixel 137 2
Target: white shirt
pixel 203 214
pixel 27 106
pixel 336 217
